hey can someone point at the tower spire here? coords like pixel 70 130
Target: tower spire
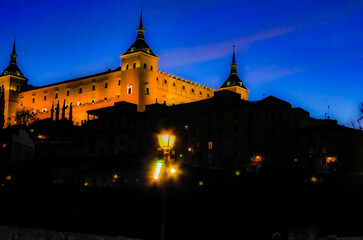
pixel 140 24
pixel 13 69
pixel 233 65
pixel 140 44
pixel 140 30
pixel 14 52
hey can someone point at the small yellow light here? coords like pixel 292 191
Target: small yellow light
pixel 85 184
pixel 172 170
pixel 296 160
pixel 4 145
pixel 238 173
pixel 8 178
pixel 115 176
pixel 201 183
pixel 189 149
pixel 314 179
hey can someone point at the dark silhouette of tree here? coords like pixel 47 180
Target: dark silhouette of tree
pixel 57 112
pixel 70 112
pixel 52 111
pixel 64 110
pixel 2 108
pixel 24 116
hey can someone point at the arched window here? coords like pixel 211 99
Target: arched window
pixel 129 89
pixel 134 65
pixel 145 65
pixel 127 66
pixel 151 68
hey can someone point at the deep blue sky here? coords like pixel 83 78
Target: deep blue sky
pixel 308 53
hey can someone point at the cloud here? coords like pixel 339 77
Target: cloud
pixel 184 56
pixel 262 75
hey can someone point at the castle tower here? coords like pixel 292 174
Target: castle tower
pixel 13 81
pixel 233 82
pixel 139 72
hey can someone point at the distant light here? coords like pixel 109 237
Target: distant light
pixel 85 184
pixel 32 130
pixel 41 136
pixel 238 173
pixel 115 176
pixel 200 183
pixel 8 178
pixel 189 149
pixel 314 179
pixel 172 170
pixel 296 160
pixel 4 145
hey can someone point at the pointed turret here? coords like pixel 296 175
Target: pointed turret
pixel 13 68
pixel 140 45
pixel 233 79
pixel 233 82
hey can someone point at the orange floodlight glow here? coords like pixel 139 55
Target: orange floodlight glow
pixel 331 159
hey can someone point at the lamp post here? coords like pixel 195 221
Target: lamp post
pixel 166 143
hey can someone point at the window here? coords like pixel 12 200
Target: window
pixel 151 68
pixel 134 65
pixel 93 87
pixel 129 89
pixel 210 145
pixel 192 90
pixel 173 84
pixel 200 93
pixel 145 65
pixel 106 84
pixel 18 87
pixel 207 94
pixel 165 81
pixel 56 95
pixel 105 98
pixel 127 66
pixel 119 82
pixel 45 98
pixel 183 87
pixel 80 90
pixel 21 103
pixel 33 100
pixel 68 93
pixel 147 91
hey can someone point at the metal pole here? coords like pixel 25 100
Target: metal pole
pixel 164 189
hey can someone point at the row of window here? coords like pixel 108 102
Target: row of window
pixel 183 88
pixel 134 66
pixel 79 91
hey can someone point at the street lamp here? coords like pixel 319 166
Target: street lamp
pixel 166 143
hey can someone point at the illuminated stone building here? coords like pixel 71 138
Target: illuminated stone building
pixel 136 81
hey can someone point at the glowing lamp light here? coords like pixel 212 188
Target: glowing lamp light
pixel 157 170
pixel 238 173
pixel 8 178
pixel 166 141
pixel 172 170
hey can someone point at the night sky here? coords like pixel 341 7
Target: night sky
pixel 308 53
